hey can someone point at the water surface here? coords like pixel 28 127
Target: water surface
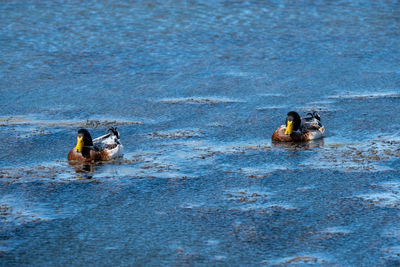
pixel 196 89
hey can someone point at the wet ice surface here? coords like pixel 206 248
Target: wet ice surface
pixel 196 90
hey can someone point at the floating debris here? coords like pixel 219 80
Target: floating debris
pixel 175 134
pixel 199 100
pixel 349 95
pixel 89 123
pixel 105 123
pixel 297 260
pixel 366 156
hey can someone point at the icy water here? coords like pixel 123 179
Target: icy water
pixel 196 89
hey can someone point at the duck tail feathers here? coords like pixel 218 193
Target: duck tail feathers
pixel 113 130
pixel 316 115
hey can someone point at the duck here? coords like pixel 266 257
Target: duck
pixel 299 129
pixel 103 148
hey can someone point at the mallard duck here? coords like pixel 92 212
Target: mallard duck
pixel 298 129
pixel 103 148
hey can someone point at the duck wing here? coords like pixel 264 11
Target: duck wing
pixel 107 141
pixel 311 122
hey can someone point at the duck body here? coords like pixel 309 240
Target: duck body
pixel 103 148
pixel 298 129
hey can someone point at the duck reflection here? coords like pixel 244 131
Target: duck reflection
pixel 299 146
pixel 84 170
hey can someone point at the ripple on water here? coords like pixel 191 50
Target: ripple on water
pixel 191 205
pixel 393 232
pixel 364 95
pixel 220 258
pixel 392 255
pixel 24 127
pixel 317 107
pixel 199 100
pixel 210 148
pixel 117 170
pixel 262 171
pixel 255 199
pixel 17 210
pixel 54 172
pixel 272 95
pixel 238 73
pixel 272 107
pixel 212 242
pixel 336 230
pixel 388 198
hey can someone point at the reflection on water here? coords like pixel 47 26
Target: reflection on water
pixel 299 146
pixel 84 170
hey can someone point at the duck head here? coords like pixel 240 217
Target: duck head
pixel 84 139
pixel 293 122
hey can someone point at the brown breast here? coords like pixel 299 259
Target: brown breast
pixel 279 135
pixel 93 156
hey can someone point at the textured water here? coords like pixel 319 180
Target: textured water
pixel 196 89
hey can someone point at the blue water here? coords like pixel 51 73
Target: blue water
pixel 196 89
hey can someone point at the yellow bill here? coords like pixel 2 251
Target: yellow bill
pixel 289 127
pixel 79 144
